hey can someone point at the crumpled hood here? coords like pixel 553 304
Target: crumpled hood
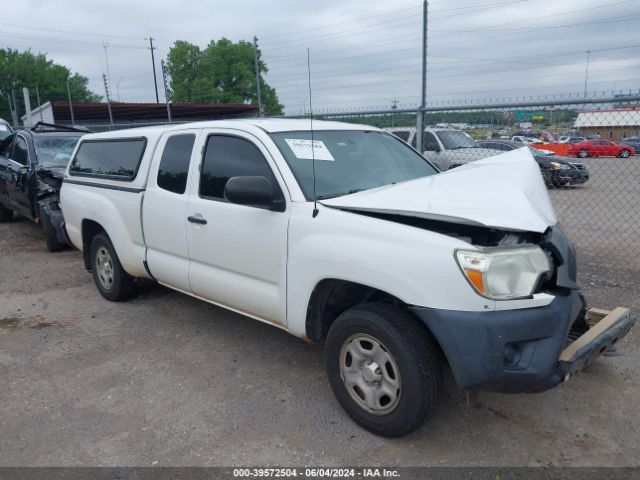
pixel 505 191
pixel 56 171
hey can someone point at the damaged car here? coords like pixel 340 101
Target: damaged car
pixel 32 164
pixel 343 234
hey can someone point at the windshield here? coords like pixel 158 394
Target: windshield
pixel 453 139
pixel 55 151
pixel 347 161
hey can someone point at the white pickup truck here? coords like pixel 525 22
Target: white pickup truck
pixel 400 269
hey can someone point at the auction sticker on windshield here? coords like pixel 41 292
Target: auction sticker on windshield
pixel 302 149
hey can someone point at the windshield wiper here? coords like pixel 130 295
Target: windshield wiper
pixel 334 195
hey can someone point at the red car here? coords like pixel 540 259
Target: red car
pixel 600 148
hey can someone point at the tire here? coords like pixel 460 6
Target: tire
pixel 50 237
pixel 412 367
pixel 583 153
pixel 624 153
pixel 112 281
pixel 6 215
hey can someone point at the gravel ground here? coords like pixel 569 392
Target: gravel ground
pixel 165 379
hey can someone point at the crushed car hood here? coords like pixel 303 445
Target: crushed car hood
pixel 505 191
pixel 55 171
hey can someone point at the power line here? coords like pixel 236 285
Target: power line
pixel 65 41
pixel 92 34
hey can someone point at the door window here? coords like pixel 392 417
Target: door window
pixel 20 151
pixel 174 164
pixel 226 157
pixel 430 143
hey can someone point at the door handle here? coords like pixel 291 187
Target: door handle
pixel 197 219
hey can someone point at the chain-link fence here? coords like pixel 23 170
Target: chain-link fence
pixel 588 151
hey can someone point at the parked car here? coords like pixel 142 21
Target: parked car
pixel 600 148
pixel 525 140
pixel 445 147
pixel 32 164
pixel 351 238
pixel 5 129
pixel 556 171
pixel 632 142
pixel 572 140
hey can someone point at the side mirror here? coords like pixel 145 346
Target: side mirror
pixel 251 191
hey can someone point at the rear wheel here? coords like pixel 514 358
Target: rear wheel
pixel 6 215
pixel 583 153
pixel 384 368
pixel 624 153
pixel 112 281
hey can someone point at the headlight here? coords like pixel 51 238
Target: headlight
pixel 559 166
pixel 504 273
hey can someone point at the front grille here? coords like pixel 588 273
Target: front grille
pixel 578 166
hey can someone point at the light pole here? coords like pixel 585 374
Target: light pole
pixel 118 87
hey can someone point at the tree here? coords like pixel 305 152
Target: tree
pixel 223 72
pixel 27 69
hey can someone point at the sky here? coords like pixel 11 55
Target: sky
pixel 364 54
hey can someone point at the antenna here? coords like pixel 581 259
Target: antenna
pixel 313 150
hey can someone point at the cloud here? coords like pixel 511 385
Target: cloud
pixel 363 54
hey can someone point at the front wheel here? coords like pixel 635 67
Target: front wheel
pixel 624 153
pixel 112 281
pixel 583 153
pixel 384 368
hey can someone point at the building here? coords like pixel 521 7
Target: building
pixel 125 115
pixel 614 124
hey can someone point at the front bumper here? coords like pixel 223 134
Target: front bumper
pixel 568 177
pixel 517 351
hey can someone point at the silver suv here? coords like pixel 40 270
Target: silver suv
pixel 445 147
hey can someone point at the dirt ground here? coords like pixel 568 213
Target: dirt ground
pixel 165 379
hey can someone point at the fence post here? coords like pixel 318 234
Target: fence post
pixel 73 121
pixel 166 88
pixel 106 91
pixel 257 67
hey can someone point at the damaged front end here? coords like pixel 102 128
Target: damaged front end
pixel 47 195
pixel 520 345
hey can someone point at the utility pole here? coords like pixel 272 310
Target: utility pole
pixel 423 101
pixel 73 121
pixel 166 88
pixel 106 92
pixel 257 66
pixel 153 63
pixel 586 74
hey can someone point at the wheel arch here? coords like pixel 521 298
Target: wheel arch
pixel 90 228
pixel 332 296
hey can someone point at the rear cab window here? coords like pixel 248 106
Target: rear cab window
pixel 117 159
pixel 174 164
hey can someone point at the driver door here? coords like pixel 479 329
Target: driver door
pixel 17 177
pixel 238 253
